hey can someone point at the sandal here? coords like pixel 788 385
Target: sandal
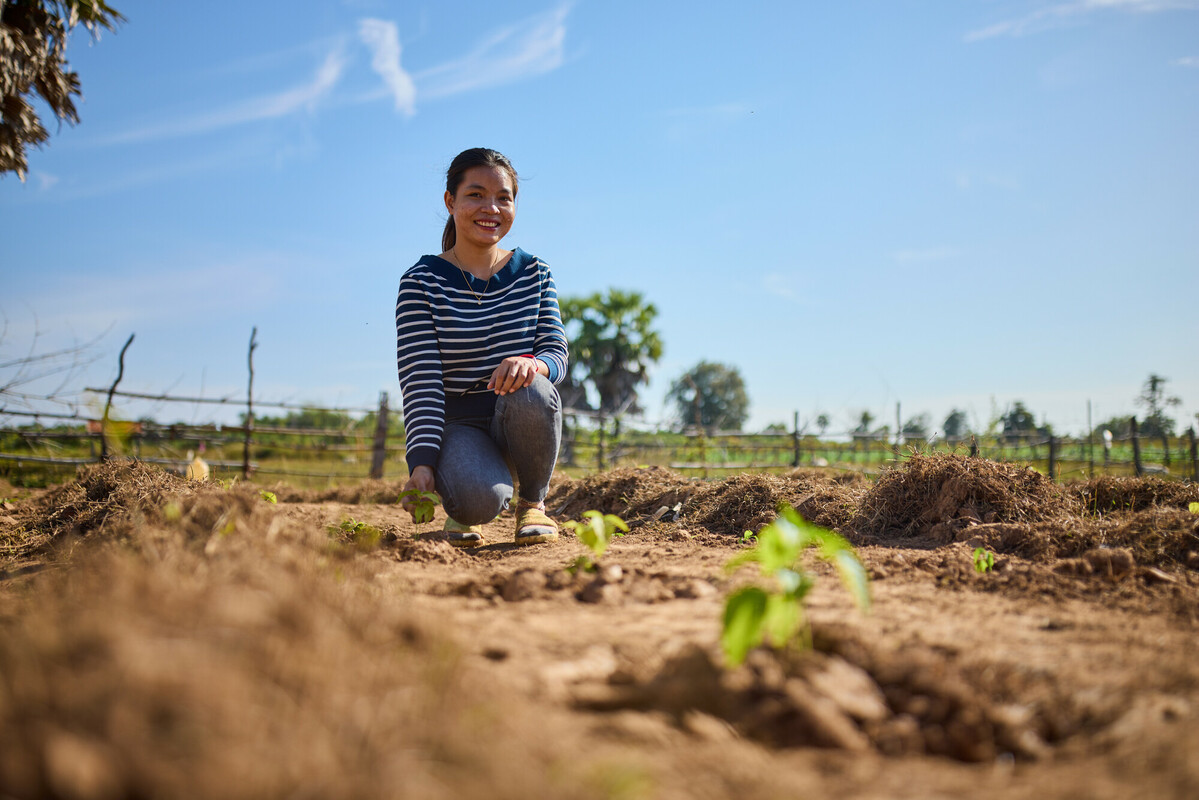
pixel 532 524
pixel 460 535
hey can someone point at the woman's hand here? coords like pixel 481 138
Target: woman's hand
pixel 516 372
pixel 422 481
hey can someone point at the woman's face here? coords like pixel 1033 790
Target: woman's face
pixel 485 206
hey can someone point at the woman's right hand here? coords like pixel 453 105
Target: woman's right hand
pixel 422 481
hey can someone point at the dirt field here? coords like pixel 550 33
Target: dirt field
pixel 160 638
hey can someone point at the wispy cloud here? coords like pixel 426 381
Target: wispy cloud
pixel 967 179
pixel 1186 61
pixel 1060 14
pixel 383 40
pixel 779 285
pixel 715 110
pixel 300 98
pixel 531 47
pixel 925 255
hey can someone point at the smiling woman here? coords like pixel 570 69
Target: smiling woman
pixel 479 348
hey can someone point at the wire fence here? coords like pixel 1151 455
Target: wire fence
pixel 370 445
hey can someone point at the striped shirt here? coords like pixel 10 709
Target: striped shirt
pixel 450 338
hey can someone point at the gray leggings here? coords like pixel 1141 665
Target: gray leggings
pixel 480 455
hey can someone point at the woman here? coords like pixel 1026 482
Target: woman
pixel 480 347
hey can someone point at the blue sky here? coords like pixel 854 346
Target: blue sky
pixel 943 204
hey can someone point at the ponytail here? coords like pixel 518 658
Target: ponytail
pixel 449 236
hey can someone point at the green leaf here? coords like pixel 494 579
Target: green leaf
pixel 782 619
pixel 1194 508
pixel 984 560
pixel 854 577
pixel 268 496
pixel 742 629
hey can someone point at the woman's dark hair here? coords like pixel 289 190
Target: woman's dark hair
pixel 474 157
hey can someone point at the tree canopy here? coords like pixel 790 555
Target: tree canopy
pixel 613 344
pixel 1155 401
pixel 711 395
pixel 955 424
pixel 33 42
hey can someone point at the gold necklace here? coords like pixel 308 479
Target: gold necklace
pixel 466 278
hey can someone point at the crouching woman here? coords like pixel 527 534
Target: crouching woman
pixel 480 347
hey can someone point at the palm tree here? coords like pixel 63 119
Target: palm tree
pixel 33 40
pixel 612 342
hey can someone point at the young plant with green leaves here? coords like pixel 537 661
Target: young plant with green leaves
pixel 1194 508
pixel 984 560
pixel 777 614
pixel 596 530
pixel 362 534
pixel 421 503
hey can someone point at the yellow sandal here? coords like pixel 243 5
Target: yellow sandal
pixel 533 526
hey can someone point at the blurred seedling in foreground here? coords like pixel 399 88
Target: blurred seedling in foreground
pixel 596 531
pixel 363 535
pixel 777 614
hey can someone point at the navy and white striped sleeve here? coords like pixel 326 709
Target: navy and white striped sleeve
pixel 550 342
pixel 418 360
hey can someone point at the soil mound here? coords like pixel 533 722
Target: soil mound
pixel 750 502
pixel 1106 494
pixel 944 489
pixel 124 499
pixel 625 492
pixel 381 492
pixel 727 507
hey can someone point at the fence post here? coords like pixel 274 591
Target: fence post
pixel 245 457
pixel 1136 446
pixel 795 439
pixel 1052 457
pixel 108 404
pixel 1090 443
pixel 1194 455
pixel 379 449
pixel 599 453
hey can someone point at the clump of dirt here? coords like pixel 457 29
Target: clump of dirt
pixel 942 488
pixel 626 492
pixel 749 502
pixel 1107 494
pixel 852 695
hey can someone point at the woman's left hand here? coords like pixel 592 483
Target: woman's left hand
pixel 513 373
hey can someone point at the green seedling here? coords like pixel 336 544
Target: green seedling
pixel 268 496
pixel 749 537
pixel 596 531
pixel 422 504
pixel 360 533
pixel 984 560
pixel 1194 508
pixel 754 614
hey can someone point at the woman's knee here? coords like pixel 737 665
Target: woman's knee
pixel 539 397
pixel 474 505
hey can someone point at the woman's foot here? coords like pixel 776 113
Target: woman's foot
pixel 532 524
pixel 460 535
